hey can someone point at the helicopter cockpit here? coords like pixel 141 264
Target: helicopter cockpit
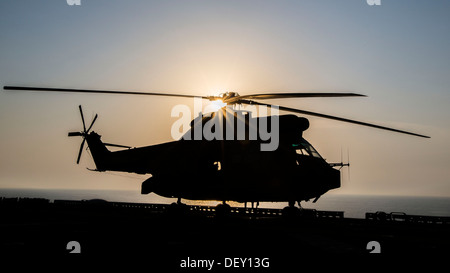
pixel 306 149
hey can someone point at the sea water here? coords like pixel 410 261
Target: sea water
pixel 353 206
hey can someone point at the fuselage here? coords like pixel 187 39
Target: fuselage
pixel 224 169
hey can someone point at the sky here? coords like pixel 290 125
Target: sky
pixel 397 53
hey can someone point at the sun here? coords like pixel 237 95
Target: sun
pixel 215 105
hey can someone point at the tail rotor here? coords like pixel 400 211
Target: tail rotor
pixel 342 164
pixel 83 133
pixel 348 164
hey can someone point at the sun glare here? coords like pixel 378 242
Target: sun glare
pixel 215 105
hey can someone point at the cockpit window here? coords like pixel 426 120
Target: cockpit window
pixel 305 148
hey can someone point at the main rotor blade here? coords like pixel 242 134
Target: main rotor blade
pixel 44 89
pixel 293 95
pixel 82 118
pixel 71 134
pixel 211 98
pixel 334 118
pixel 92 123
pixel 81 150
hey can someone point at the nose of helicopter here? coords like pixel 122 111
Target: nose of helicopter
pixel 334 179
pixel 330 179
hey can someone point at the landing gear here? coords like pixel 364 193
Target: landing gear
pixel 178 203
pixel 223 209
pixel 291 210
pixel 178 208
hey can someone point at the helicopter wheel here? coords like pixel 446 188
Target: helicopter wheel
pixel 291 210
pixel 223 209
pixel 178 208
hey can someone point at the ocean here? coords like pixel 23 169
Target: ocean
pixel 353 206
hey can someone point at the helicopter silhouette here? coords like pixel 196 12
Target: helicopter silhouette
pixel 223 169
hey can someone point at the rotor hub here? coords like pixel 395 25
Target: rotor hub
pixel 228 95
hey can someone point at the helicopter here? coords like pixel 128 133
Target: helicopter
pixel 223 169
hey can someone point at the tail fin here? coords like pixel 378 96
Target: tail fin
pixel 101 155
pixel 98 150
pixel 97 147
